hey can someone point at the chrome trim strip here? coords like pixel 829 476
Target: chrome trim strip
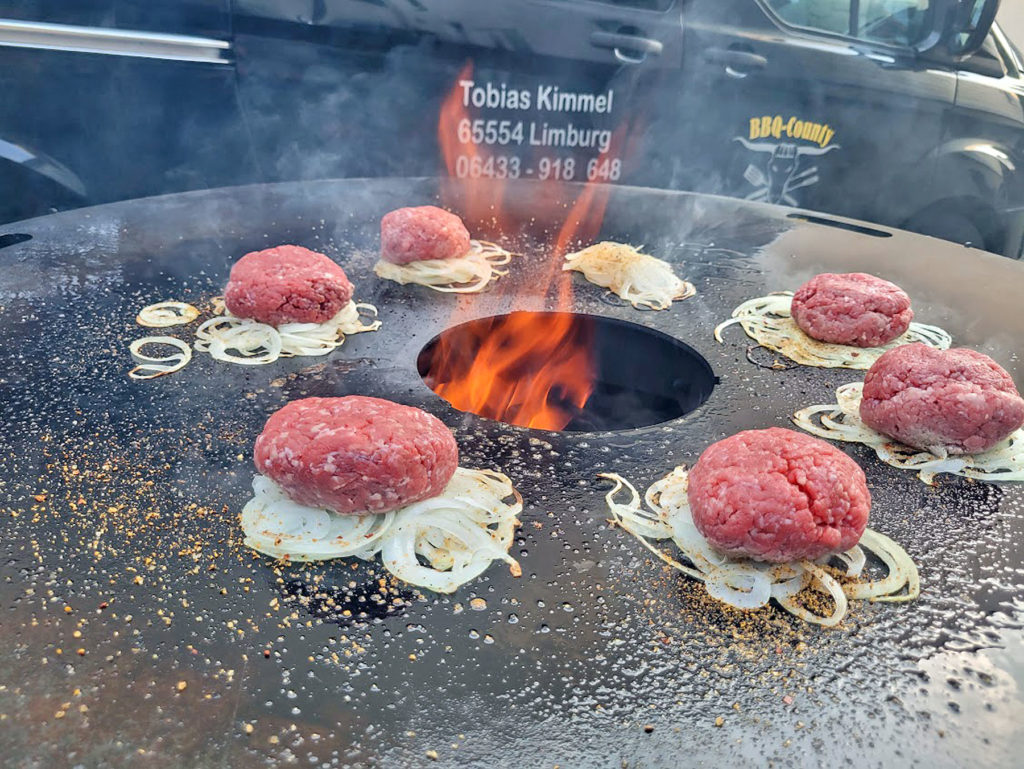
pixel 115 42
pixel 1006 49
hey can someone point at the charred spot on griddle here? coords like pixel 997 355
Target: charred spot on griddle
pixel 756 352
pixel 971 498
pixel 322 380
pixel 345 606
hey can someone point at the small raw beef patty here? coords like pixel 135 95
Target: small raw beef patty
pixel 287 284
pixel 778 495
pixel 853 308
pixel 356 454
pixel 425 232
pixel 955 401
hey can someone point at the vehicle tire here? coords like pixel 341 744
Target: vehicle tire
pixel 941 222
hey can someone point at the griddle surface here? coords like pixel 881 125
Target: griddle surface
pixel 119 505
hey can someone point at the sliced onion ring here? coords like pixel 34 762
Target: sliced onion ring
pixel 163 314
pixel 258 343
pixel 458 533
pixel 840 421
pixel 823 582
pixel 748 584
pixel 467 274
pixel 768 321
pixel 154 366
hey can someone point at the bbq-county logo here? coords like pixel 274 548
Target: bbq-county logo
pixel 782 171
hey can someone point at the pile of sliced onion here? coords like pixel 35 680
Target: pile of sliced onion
pixel 163 314
pixel 767 320
pixel 439 543
pixel 841 421
pixel 258 343
pixel 151 366
pixel 642 280
pixel 748 584
pixel 467 274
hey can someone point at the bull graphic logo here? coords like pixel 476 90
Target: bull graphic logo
pixel 782 174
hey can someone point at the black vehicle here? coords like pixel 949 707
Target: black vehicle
pixel 908 113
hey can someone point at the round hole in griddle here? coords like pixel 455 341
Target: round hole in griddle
pixel 565 372
pixel 13 238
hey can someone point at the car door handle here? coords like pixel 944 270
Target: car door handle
pixel 737 63
pixel 628 49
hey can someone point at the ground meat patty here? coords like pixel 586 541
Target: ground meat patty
pixel 778 495
pixel 287 284
pixel 425 232
pixel 356 454
pixel 947 401
pixel 852 308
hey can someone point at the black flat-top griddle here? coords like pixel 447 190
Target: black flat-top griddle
pixel 140 632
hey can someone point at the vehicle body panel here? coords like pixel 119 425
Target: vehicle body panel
pixel 711 96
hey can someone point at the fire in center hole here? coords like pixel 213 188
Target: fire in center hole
pixel 565 372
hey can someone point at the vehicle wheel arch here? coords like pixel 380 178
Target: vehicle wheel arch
pixel 977 166
pixel 956 218
pixel 978 179
pixel 25 172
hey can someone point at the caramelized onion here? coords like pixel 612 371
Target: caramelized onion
pixel 163 314
pixel 641 279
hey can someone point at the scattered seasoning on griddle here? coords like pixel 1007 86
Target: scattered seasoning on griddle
pixel 114 507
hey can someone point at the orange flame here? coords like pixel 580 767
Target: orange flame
pixel 587 213
pixel 583 223
pixel 480 197
pixel 528 369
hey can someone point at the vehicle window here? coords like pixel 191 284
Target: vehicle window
pixel 643 5
pixel 824 15
pixel 896 22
